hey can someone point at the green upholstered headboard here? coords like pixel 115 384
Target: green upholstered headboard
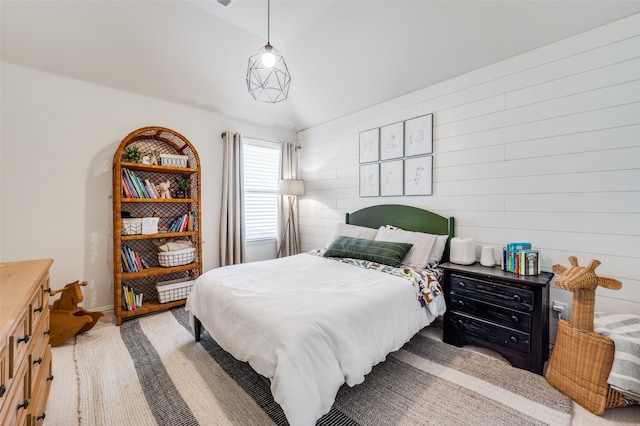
pixel 405 217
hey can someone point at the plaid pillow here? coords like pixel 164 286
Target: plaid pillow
pixel 385 252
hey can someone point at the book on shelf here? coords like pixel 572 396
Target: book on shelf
pixel 151 189
pixel 136 187
pixel 184 223
pixel 130 300
pixel 125 189
pixel 131 260
pixel 520 259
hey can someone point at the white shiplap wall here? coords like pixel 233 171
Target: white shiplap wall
pixel 542 147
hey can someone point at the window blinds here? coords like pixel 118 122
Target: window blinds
pixel 261 161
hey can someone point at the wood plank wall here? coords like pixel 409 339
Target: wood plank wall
pixel 542 147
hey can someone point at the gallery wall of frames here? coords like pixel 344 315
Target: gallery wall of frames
pixel 397 159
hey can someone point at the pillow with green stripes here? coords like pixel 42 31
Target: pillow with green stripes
pixel 385 252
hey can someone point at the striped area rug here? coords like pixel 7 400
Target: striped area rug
pixel 150 371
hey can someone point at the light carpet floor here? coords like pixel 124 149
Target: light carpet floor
pixel 211 396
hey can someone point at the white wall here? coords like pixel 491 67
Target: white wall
pixel 57 144
pixel 542 147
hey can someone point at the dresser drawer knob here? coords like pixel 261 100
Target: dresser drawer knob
pixel 41 417
pixel 37 361
pixel 47 333
pixel 50 378
pixel 460 302
pixel 24 339
pixel 513 339
pixel 517 298
pixel 515 318
pixel 47 290
pixel 460 323
pixel 36 310
pixel 3 389
pixel 462 284
pixel 24 405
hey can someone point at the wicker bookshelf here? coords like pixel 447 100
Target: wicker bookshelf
pixel 162 141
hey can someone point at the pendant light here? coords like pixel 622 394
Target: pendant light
pixel 268 77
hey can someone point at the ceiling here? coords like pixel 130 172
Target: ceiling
pixel 343 55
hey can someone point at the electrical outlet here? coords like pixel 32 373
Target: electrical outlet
pixel 561 308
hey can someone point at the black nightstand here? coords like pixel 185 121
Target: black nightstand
pixel 499 310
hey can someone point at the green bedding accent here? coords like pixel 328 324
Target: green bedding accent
pixel 385 252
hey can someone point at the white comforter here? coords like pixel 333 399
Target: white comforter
pixel 308 323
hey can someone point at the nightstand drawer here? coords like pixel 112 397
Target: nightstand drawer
pixel 511 297
pixel 490 332
pixel 509 318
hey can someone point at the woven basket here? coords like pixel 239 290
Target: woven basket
pixel 169 291
pixel 173 160
pixel 131 226
pixel 579 368
pixel 177 257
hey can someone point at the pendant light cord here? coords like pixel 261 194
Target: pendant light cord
pixel 268 20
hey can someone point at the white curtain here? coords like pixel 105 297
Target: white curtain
pixel 232 244
pixel 289 169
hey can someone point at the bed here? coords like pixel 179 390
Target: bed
pixel 310 322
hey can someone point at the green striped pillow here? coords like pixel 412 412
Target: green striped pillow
pixel 385 252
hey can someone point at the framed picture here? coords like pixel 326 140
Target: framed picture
pixel 391 178
pixel 418 175
pixel 369 145
pixel 418 136
pixel 370 180
pixel 391 141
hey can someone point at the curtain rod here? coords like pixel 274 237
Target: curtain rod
pixel 262 140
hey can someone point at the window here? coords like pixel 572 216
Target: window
pixel 261 161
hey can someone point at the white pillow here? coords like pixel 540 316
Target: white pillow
pixel 343 229
pixel 438 250
pixel 423 244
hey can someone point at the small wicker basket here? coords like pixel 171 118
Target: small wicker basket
pixel 173 160
pixel 131 226
pixel 169 291
pixel 176 257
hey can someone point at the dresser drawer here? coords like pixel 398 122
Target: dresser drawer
pixel 490 332
pixel 498 294
pixel 36 308
pixel 19 338
pixel 517 320
pixel 4 373
pixel 15 410
pixel 39 345
pixel 41 391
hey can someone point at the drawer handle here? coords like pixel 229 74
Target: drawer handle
pixel 37 361
pixel 50 378
pixel 513 339
pixel 24 405
pixel 517 298
pixel 24 339
pixel 46 333
pixel 3 389
pixel 460 322
pixel 460 302
pixel 47 290
pixel 515 318
pixel 41 417
pixel 462 284
pixel 36 310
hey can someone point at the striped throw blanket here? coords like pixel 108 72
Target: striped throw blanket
pixel 624 330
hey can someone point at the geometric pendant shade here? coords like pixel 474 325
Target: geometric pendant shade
pixel 268 84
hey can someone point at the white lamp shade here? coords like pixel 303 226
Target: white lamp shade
pixel 291 187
